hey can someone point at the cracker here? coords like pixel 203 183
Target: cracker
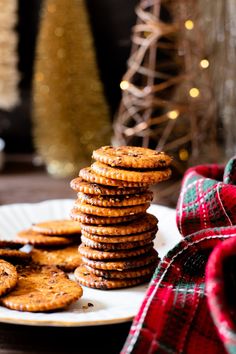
pixel 35 238
pixel 132 273
pixel 8 277
pixel 86 278
pixel 145 223
pixel 67 258
pixel 132 157
pixel 115 246
pixel 91 253
pixel 57 227
pixel 118 239
pixel 116 201
pixel 101 220
pixel 14 255
pixel 79 185
pixel 145 176
pixel 120 265
pixel 42 288
pixel 90 176
pixel 109 211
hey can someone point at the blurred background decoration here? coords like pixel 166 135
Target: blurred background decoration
pixel 165 74
pixel 70 112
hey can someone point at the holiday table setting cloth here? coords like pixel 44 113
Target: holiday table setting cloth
pixel 190 304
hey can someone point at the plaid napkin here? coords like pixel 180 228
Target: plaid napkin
pixel 184 311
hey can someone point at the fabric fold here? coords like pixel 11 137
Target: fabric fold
pixel 184 310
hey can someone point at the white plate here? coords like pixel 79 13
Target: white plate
pixel 113 306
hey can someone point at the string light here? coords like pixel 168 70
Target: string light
pixel 183 154
pixel 124 85
pixel 204 63
pixel 194 92
pixel 189 25
pixel 173 114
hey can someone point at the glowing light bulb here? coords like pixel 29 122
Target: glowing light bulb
pixel 183 154
pixel 189 25
pixel 194 92
pixel 204 63
pixel 173 114
pixel 124 85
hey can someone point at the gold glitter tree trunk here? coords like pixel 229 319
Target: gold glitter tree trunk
pixel 70 112
pixel 9 75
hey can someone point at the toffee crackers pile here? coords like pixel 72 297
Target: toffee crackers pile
pixel 117 232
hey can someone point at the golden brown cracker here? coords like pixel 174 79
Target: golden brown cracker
pixel 79 185
pixel 91 253
pixel 114 246
pixel 144 176
pixel 118 239
pixel 90 176
pixel 132 273
pixel 67 258
pixel 116 201
pixel 145 223
pixel 57 227
pixel 132 157
pixel 101 220
pixel 42 288
pixel 109 211
pixel 120 265
pixel 35 238
pixel 87 278
pixel 8 277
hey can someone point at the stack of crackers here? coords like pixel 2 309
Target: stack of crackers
pixel 117 232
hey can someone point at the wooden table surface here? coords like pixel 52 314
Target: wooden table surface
pixel 22 182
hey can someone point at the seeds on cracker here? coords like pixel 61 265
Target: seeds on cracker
pixel 41 288
pixel 132 157
pixel 67 258
pixel 8 277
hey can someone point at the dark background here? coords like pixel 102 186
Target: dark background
pixel 111 22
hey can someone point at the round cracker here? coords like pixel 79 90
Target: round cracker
pixel 132 273
pixel 67 258
pixel 42 288
pixel 120 265
pixel 57 227
pixel 35 238
pixel 79 185
pixel 115 246
pixel 118 239
pixel 146 223
pixel 132 157
pixel 87 278
pixel 8 277
pixel 14 255
pixel 91 253
pixel 116 201
pixel 146 176
pixel 109 211
pixel 101 220
pixel 90 176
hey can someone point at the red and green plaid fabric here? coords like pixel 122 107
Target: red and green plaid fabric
pixel 175 316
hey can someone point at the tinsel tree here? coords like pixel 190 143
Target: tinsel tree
pixel 9 75
pixel 71 116
pixel 167 99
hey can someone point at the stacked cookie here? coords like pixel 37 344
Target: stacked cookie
pixel 117 232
